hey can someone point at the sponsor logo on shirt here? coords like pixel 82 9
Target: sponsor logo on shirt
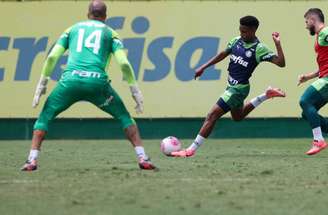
pixel 86 74
pixel 239 60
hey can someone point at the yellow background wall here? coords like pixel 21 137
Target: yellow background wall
pixel 168 97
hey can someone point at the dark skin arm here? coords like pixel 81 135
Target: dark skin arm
pixel 219 57
pixel 278 60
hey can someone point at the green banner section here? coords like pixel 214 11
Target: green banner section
pixel 184 128
pixel 165 41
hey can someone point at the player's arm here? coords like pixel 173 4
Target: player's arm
pixel 323 41
pixel 126 68
pixel 48 67
pixel 305 77
pixel 278 59
pixel 263 53
pixel 47 70
pixel 216 59
pixel 51 61
pixel 128 73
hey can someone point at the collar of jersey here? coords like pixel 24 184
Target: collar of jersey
pixel 249 45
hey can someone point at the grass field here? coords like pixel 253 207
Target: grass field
pixel 231 176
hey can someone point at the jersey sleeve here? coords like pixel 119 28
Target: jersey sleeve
pixel 323 37
pixel 48 67
pixel 128 73
pixel 117 43
pixel 63 39
pixel 263 53
pixel 231 44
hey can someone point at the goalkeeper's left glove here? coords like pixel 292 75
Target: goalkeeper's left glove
pixel 138 98
pixel 41 89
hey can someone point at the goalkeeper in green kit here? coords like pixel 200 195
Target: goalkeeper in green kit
pixel 90 44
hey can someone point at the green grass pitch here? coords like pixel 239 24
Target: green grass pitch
pixel 230 176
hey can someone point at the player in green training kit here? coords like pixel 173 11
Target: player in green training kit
pixel 316 95
pixel 91 44
pixel 246 52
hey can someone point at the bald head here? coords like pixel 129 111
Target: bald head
pixel 97 10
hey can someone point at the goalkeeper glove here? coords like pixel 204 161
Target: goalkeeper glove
pixel 138 98
pixel 41 89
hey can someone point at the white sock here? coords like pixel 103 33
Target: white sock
pixel 33 154
pixel 317 135
pixel 197 143
pixel 258 100
pixel 140 151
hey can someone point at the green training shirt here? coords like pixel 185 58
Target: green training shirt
pixel 91 44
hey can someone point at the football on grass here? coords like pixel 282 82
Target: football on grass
pixel 170 144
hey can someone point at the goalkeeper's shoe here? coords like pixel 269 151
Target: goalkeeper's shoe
pixel 271 92
pixel 317 146
pixel 30 166
pixel 146 164
pixel 183 153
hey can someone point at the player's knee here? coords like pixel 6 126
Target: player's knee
pixel 303 103
pixel 237 118
pixel 41 125
pixel 127 121
pixel 40 134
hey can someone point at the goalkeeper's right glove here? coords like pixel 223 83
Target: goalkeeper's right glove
pixel 138 98
pixel 41 89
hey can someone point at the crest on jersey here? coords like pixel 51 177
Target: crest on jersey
pixel 248 53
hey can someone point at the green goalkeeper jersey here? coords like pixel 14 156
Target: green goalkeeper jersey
pixel 90 44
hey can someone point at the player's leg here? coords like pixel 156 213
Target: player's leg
pixel 110 102
pixel 132 134
pixel 323 124
pixel 323 121
pixel 311 101
pixel 231 99
pixel 322 88
pixel 215 113
pixel 240 113
pixel 58 101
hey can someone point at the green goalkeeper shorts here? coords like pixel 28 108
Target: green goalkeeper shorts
pixel 67 93
pixel 233 97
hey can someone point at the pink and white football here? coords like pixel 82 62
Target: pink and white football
pixel 170 144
